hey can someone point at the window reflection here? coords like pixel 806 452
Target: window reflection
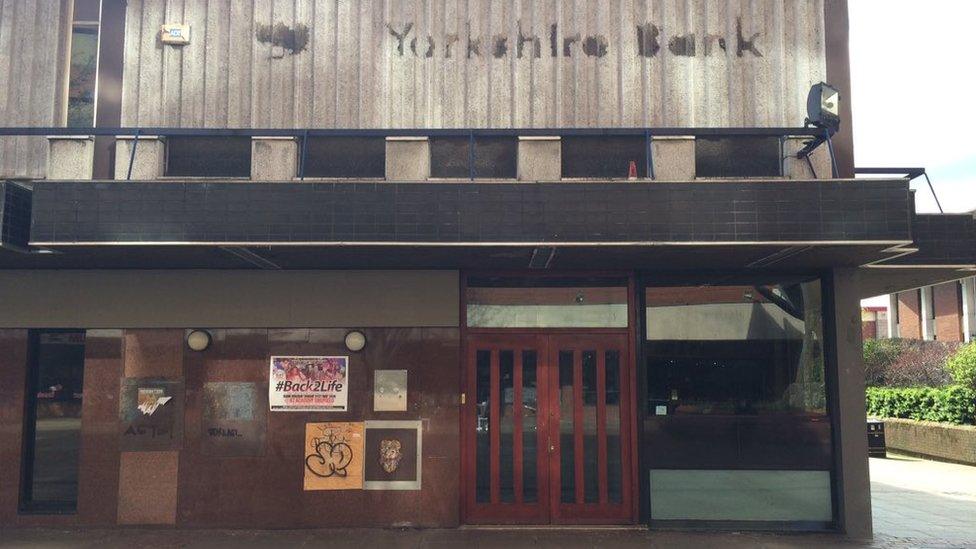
pixel 548 303
pixel 52 433
pixel 735 350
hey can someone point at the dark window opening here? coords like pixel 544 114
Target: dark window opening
pixel 738 157
pixel 208 156
pixel 494 157
pixel 739 370
pixel 603 157
pixel 52 423
pixel 345 157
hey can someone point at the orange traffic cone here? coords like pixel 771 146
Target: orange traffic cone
pixel 632 171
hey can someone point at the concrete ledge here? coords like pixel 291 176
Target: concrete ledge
pixel 70 156
pixel 407 159
pixel 956 443
pixel 150 159
pixel 539 158
pixel 796 168
pixel 674 158
pixel 274 158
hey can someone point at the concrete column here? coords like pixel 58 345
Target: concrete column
pixel 274 158
pixel 845 362
pixel 928 323
pixel 539 158
pixel 893 315
pixel 407 159
pixel 798 168
pixel 968 309
pixel 70 156
pixel 150 159
pixel 674 158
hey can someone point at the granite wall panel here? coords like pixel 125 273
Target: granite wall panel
pixel 266 491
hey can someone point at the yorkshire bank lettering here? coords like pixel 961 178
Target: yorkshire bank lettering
pixel 651 42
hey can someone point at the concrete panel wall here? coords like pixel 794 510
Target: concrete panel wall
pixel 473 63
pixel 228 299
pixel 846 385
pixel 31 58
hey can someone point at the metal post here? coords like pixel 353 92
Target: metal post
pixel 471 155
pixel 301 164
pixel 931 188
pixel 649 142
pixel 833 161
pixel 132 154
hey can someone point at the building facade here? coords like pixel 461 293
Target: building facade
pixel 286 264
pixel 941 312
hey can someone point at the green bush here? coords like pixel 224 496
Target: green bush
pixel 953 404
pixel 962 366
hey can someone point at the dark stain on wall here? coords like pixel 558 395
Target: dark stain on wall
pixel 294 40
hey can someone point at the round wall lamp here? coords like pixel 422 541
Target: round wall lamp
pixel 355 341
pixel 198 340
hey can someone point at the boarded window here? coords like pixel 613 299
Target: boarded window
pixel 603 157
pixel 494 157
pixel 352 157
pixel 738 157
pixel 208 156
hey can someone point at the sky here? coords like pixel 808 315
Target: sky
pixel 914 95
pixel 913 83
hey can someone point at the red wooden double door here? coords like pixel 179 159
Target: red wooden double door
pixel 547 424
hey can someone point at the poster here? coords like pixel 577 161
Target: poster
pixel 333 456
pixel 393 455
pixel 309 384
pixel 234 419
pixel 151 414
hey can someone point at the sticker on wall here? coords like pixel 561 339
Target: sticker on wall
pixel 309 384
pixel 151 414
pixel 394 455
pixel 234 419
pixel 390 390
pixel 334 456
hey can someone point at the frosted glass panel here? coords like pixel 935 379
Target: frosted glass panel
pixel 740 495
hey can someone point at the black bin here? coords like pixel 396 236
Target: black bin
pixel 876 439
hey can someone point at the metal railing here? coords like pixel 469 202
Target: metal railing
pixel 817 136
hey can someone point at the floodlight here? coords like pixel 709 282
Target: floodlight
pixel 823 107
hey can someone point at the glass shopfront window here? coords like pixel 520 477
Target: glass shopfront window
pixel 737 422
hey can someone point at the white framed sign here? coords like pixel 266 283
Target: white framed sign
pixel 309 384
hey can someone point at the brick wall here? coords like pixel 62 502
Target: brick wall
pixel 928 438
pixel 948 313
pixel 910 315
